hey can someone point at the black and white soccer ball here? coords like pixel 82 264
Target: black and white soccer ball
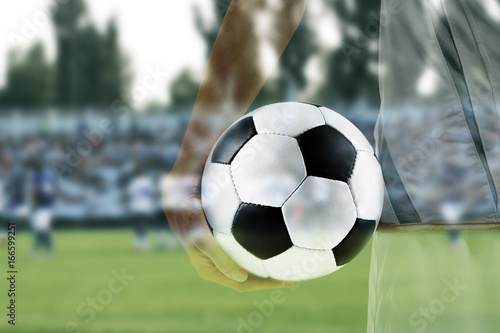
pixel 292 191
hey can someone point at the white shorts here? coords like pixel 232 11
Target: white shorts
pixel 425 283
pixel 41 219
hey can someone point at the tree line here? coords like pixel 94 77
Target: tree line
pixel 90 70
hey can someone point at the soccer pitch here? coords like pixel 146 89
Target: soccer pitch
pixel 96 283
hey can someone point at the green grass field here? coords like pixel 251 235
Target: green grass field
pixel 166 295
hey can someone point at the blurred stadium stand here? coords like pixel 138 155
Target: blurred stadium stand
pixel 92 187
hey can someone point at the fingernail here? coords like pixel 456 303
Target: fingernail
pixel 239 275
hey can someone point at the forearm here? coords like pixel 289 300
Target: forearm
pixel 234 74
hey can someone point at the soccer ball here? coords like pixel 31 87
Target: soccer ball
pixel 292 191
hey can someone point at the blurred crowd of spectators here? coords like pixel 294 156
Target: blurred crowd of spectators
pixel 92 170
pixel 89 171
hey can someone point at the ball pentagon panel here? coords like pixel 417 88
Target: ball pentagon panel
pixel 232 140
pixel 352 133
pixel 327 153
pixel 355 241
pixel 261 230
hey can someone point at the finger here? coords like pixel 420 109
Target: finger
pixel 206 268
pixel 208 271
pixel 207 244
pixel 257 283
pixel 224 263
pixel 251 284
pixel 213 264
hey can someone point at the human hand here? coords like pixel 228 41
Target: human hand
pixel 185 215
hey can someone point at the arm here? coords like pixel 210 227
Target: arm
pixel 234 75
pixel 232 79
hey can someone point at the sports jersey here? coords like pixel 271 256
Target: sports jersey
pixel 141 191
pixel 438 132
pixel 44 189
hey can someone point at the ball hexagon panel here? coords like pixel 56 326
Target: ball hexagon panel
pixel 218 196
pixel 291 119
pixel 354 242
pixel 352 133
pixel 232 140
pixel 320 213
pixel 367 186
pixel 268 169
pixel 261 230
pixel 327 153
pixel 298 264
pixel 244 258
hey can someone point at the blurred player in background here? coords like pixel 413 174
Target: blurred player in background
pixel 42 195
pixel 13 190
pixel 141 193
pixel 17 189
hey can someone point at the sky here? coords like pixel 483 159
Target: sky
pixel 156 35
